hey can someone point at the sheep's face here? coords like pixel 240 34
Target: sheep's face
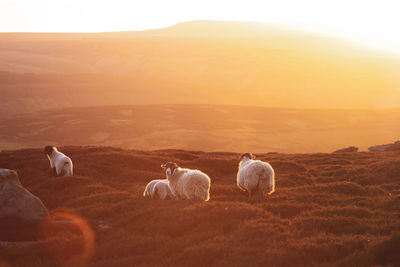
pixel 169 168
pixel 247 156
pixel 48 150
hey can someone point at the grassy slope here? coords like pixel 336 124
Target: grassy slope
pixel 332 209
pixel 202 127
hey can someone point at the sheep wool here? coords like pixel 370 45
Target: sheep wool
pixel 149 188
pixel 60 163
pixel 255 176
pixel 161 190
pixel 187 183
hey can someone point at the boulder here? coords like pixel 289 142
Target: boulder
pixel 17 202
pixel 378 148
pixel 395 147
pixel 385 147
pixel 347 149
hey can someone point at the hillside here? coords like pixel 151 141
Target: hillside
pixel 328 210
pixel 202 127
pixel 200 62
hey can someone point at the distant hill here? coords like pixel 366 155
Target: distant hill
pixel 200 62
pixel 202 127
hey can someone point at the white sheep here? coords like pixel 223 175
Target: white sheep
pixel 187 183
pixel 149 188
pixel 158 189
pixel 255 176
pixel 161 190
pixel 59 163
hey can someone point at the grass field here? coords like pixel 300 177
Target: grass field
pixel 202 127
pixel 339 209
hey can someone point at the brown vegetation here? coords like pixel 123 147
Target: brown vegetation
pixel 202 127
pixel 338 209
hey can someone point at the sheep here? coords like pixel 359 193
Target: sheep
pixel 59 163
pixel 149 188
pixel 187 183
pixel 158 189
pixel 255 176
pixel 161 190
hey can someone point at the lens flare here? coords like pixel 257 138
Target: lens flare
pixel 69 238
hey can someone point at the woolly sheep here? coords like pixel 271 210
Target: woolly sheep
pixel 158 189
pixel 255 176
pixel 187 183
pixel 149 188
pixel 59 163
pixel 161 190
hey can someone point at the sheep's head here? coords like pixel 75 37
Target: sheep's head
pixel 169 168
pixel 247 156
pixel 49 149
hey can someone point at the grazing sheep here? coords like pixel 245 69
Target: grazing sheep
pixel 59 163
pixel 186 183
pixel 161 190
pixel 149 188
pixel 255 176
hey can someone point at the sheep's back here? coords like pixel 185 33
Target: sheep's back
pixel 196 185
pixel 149 187
pixel 162 189
pixel 249 174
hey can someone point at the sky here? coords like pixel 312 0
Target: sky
pixel 375 24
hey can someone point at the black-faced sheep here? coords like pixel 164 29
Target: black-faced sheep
pixel 59 163
pixel 187 183
pixel 255 176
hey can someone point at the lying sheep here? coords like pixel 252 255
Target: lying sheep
pixel 255 176
pixel 161 190
pixel 59 163
pixel 186 183
pixel 149 188
pixel 158 189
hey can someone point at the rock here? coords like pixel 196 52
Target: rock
pixel 347 149
pixel 395 147
pixel 378 148
pixel 16 201
pixel 386 147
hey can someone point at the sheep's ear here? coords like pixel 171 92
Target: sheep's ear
pixel 252 156
pixel 163 166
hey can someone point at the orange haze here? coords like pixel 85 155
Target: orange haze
pixel 197 62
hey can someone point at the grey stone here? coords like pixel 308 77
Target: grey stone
pixel 347 149
pixel 16 201
pixel 381 147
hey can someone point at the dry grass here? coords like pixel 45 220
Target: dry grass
pixel 328 210
pixel 208 128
